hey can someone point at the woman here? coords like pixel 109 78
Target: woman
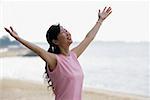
pixel 63 70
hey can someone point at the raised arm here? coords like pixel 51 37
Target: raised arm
pixel 46 56
pixel 92 33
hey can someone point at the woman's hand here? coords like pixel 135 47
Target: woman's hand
pixel 12 32
pixel 104 14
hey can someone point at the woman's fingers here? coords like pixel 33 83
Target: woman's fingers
pixel 99 13
pixel 108 9
pixel 7 30
pixel 109 13
pixel 104 9
pixel 105 13
pixel 11 29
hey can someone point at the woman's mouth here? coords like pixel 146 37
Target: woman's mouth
pixel 69 38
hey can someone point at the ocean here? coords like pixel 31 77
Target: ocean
pixel 115 66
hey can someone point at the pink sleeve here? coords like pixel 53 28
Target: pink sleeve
pixel 74 54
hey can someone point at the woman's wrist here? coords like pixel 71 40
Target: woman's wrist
pixel 99 21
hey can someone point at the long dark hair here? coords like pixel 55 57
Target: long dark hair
pixel 51 35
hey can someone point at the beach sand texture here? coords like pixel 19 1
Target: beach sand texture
pixel 24 90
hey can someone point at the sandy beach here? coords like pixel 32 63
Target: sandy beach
pixel 25 90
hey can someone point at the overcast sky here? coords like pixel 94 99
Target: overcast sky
pixel 32 18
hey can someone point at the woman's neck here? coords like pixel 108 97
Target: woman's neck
pixel 64 51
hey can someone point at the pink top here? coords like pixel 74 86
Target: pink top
pixel 67 78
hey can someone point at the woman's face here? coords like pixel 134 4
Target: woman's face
pixel 64 37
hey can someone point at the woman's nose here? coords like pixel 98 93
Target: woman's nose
pixel 68 34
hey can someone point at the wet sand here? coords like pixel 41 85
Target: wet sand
pixel 25 90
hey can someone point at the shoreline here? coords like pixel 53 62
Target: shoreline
pixel 16 51
pixel 11 89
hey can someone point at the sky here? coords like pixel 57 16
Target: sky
pixel 31 19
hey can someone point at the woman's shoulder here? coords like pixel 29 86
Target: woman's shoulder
pixel 73 53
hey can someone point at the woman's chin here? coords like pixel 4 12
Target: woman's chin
pixel 70 42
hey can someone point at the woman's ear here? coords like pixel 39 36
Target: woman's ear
pixel 55 42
